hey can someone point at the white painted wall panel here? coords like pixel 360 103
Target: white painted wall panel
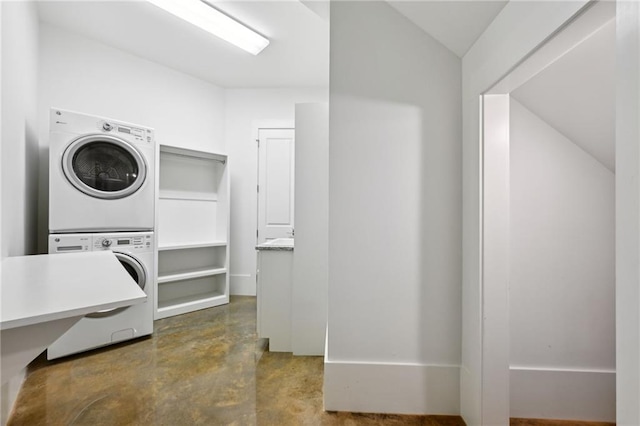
pixel 561 297
pixel 311 256
pixel 628 212
pixel 18 147
pixel 562 250
pixel 19 128
pixel 394 200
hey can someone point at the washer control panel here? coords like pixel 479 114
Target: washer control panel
pixel 125 242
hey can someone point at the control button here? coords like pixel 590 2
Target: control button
pixel 107 127
pixel 106 243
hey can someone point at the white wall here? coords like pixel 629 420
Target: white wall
pixel 19 146
pixel 80 74
pixel 19 149
pixel 514 33
pixel 627 212
pixel 311 255
pixel 394 216
pixel 244 109
pixel 562 284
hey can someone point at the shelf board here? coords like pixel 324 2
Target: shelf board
pixel 192 303
pixel 188 196
pixel 192 153
pixel 184 246
pixel 191 274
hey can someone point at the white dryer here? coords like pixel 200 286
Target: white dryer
pixel 135 252
pixel 101 174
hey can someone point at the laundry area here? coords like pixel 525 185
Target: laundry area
pixel 315 212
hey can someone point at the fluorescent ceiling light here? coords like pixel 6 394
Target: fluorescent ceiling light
pixel 202 15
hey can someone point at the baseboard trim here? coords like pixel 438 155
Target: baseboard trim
pixel 555 422
pixel 393 388
pixel 563 394
pixel 242 284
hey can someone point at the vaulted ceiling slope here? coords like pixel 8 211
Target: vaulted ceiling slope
pixel 576 95
pixel 297 56
pixel 455 24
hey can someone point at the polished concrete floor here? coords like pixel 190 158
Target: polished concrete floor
pixel 202 368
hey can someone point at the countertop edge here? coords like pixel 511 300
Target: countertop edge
pixel 274 248
pixel 39 319
pixel 29 269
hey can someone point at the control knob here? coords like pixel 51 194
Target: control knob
pixel 106 243
pixel 107 127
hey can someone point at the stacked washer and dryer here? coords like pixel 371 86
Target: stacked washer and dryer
pixel 101 197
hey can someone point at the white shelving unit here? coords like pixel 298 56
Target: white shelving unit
pixel 193 231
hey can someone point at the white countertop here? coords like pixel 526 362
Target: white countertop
pixel 278 244
pixel 37 289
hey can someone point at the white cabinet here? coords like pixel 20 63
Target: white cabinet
pixel 193 231
pixel 275 283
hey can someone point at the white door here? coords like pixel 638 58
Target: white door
pixel 275 184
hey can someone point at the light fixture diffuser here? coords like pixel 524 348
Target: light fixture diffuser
pixel 215 22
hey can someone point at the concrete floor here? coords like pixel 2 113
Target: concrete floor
pixel 202 368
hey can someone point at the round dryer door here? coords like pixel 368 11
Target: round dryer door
pixel 104 166
pixel 137 272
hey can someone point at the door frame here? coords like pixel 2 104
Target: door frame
pixel 258 125
pixel 494 177
pixel 492 57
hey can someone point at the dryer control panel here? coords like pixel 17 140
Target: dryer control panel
pixel 125 242
pixel 137 133
pixel 142 241
pixel 70 243
pixel 78 123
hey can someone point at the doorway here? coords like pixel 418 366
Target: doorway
pixel 549 225
pixel 276 173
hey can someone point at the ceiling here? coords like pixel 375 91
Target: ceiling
pixel 456 24
pixel 298 30
pixel 576 95
pixel 297 56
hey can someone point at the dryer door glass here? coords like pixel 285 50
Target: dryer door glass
pixel 137 272
pixel 104 166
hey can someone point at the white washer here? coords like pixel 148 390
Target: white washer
pixel 135 252
pixel 101 174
